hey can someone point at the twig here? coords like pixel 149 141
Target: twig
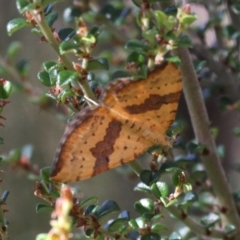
pixel 47 32
pixel 193 225
pixel 200 122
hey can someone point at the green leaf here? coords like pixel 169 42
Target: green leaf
pixel 141 187
pixel 136 57
pixel 91 210
pixel 151 236
pixel 12 50
pixel 51 18
pixel 136 45
pixel 141 222
pixel 24 5
pixel 45 174
pixel 69 47
pixel 107 208
pixel 145 205
pixel 158 227
pixel 188 199
pixel 176 177
pixel 48 64
pixel 163 188
pixel 66 78
pixel 43 208
pixel 44 78
pixel 116 224
pixel 133 224
pixel 183 41
pixel 16 24
pixel 88 201
pixel 98 64
pixel 148 177
pixel 66 33
pixel 210 220
pixel 5 88
pixel 188 19
pixel 160 18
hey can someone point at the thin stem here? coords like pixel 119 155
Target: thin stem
pixel 193 225
pixel 200 122
pixel 47 32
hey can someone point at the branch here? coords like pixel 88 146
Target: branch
pixel 193 225
pixel 47 32
pixel 200 122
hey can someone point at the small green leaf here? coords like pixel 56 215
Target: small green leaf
pixel 188 199
pixel 141 187
pixel 5 88
pixel 145 205
pixel 155 191
pixel 69 47
pixel 158 227
pixel 188 19
pixel 45 174
pixel 210 220
pixel 133 224
pixel 16 24
pixel 24 5
pixel 136 57
pixel 141 222
pixel 98 64
pixel 51 18
pixel 151 236
pixel 163 188
pixel 91 210
pixel 160 18
pixel 183 41
pixel 116 224
pixel 66 78
pixel 44 78
pixel 136 45
pixel 176 177
pixel 88 201
pixel 66 33
pixel 148 177
pixel 48 64
pixel 106 208
pixel 12 50
pixel 43 208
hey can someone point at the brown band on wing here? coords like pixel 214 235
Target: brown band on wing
pixel 79 118
pixel 153 102
pixel 105 148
